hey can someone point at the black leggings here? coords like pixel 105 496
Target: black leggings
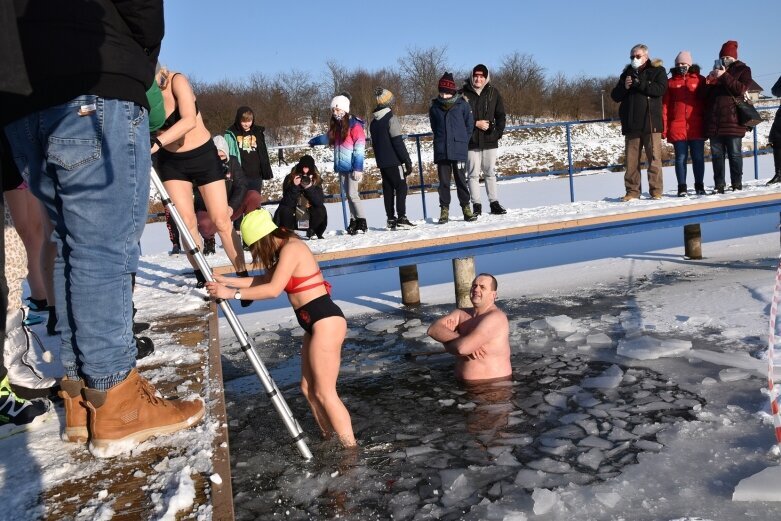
pixel 394 186
pixel 317 309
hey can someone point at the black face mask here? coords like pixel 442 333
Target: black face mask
pixel 683 70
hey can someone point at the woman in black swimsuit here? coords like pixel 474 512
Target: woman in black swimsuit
pixel 187 157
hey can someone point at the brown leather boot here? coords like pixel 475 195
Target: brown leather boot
pixel 132 412
pixel 75 411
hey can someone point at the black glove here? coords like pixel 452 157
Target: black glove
pixel 407 168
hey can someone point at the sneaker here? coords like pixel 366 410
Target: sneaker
pixel 131 412
pixel 444 215
pixel 656 197
pixel 477 208
pixel 468 215
pixel 352 228
pixel 719 189
pixel 497 208
pixel 737 187
pixel 776 179
pixel 630 197
pixel 75 411
pixel 175 250
pixel 391 224
pixel 17 414
pixel 403 221
pixel 31 320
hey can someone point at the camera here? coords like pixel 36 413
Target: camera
pixel 306 179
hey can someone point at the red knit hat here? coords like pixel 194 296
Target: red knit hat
pixel 447 84
pixel 729 48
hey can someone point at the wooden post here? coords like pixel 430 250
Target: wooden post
pixel 463 275
pixel 410 289
pixel 692 241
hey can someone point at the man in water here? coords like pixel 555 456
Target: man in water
pixel 478 337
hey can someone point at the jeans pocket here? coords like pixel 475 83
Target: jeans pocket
pixel 76 133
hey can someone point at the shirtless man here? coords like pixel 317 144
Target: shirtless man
pixel 478 337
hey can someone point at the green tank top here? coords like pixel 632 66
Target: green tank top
pixel 156 107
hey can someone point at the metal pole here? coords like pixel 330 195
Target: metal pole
pixel 420 174
pixel 570 168
pixel 756 155
pixel 245 342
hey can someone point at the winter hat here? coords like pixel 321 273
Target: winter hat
pixel 384 97
pixel 447 85
pixel 305 161
pixel 341 102
pixel 730 48
pixel 256 225
pixel 684 57
pixel 481 69
pixel 221 144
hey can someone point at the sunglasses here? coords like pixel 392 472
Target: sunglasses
pixel 478 75
pixel 638 56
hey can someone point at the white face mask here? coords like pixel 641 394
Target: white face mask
pixel 636 63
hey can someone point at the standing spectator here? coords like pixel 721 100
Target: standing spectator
pixel 348 137
pixel 303 188
pixel 775 136
pixel 96 212
pixel 725 84
pixel 682 110
pixel 280 154
pixel 452 123
pixel 490 118
pixel 247 141
pixel 392 158
pixel 240 199
pixel 639 91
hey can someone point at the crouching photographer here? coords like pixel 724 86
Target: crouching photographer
pixel 302 205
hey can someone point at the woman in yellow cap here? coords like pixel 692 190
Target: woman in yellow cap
pixel 292 268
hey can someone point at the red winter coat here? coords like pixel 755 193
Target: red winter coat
pixel 683 107
pixel 721 118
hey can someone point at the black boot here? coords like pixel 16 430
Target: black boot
pixel 699 188
pixel 682 190
pixel 244 302
pixel 391 223
pixel 352 228
pixel 776 178
pixel 477 209
pixel 360 225
pixel 497 209
pixel 209 246
pixel 51 324
pixel 144 347
pixel 201 280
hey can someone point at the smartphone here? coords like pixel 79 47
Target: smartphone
pixel 717 64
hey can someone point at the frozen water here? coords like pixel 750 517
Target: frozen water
pixel 544 500
pixel 384 324
pixel 650 348
pixel 732 374
pixel 609 499
pixel 599 340
pixel 607 380
pixel 762 486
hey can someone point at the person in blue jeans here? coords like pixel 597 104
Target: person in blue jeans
pixel 81 141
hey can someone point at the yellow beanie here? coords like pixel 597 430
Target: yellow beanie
pixel 256 225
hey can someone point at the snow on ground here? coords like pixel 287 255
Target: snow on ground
pixel 734 304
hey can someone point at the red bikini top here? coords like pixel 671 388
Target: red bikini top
pixel 294 284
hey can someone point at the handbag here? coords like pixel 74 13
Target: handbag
pixel 747 114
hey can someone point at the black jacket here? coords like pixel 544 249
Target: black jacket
pixel 487 105
pixel 641 104
pixel 235 185
pixel 387 140
pixel 252 147
pixel 101 47
pixel 290 193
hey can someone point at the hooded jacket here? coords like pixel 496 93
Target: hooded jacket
pixel 683 107
pixel 641 104
pixel 452 126
pixel 387 141
pixel 249 147
pixel 488 105
pixel 348 153
pixel 721 117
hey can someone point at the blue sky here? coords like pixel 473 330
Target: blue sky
pixel 211 40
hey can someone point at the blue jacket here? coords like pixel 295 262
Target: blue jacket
pixel 348 154
pixel 452 129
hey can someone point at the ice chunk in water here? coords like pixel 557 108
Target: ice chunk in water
pixel 760 487
pixel 417 451
pixel 732 374
pixel 596 442
pixel 575 338
pixel 609 499
pixel 599 340
pixel 562 324
pixel 593 458
pixel 549 465
pixel 609 379
pixel 557 400
pixel 650 348
pixel 544 500
pixel 384 324
pixel 540 324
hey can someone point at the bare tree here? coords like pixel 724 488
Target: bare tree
pixel 420 70
pixel 522 83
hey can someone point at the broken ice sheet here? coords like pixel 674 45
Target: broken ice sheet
pixel 649 348
pixel 609 379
